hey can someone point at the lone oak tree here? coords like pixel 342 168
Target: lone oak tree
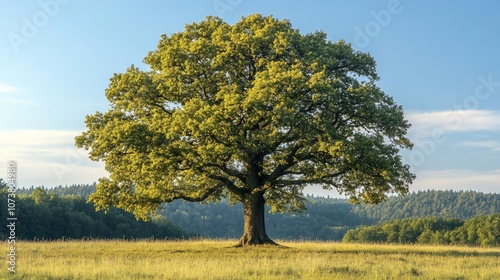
pixel 254 112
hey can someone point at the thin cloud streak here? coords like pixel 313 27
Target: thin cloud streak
pixel 494 146
pixel 458 179
pixel 13 96
pixel 426 124
pixel 36 137
pixel 4 88
pixel 48 157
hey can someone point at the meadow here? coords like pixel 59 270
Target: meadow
pixel 218 259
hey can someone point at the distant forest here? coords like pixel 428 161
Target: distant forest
pixel 52 213
pixel 64 213
pixel 478 231
pixel 331 218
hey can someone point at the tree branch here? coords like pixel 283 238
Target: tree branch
pixel 284 183
pixel 200 198
pixel 161 108
pixel 228 171
pixel 290 161
pixel 321 180
pixel 227 183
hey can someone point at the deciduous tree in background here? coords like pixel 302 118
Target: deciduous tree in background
pixel 253 111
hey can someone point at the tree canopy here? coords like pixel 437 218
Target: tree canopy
pixel 255 112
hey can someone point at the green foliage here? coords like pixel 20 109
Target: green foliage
pixel 44 215
pixel 81 190
pixel 444 204
pixel 479 231
pixel 254 107
pixel 324 219
pixel 402 231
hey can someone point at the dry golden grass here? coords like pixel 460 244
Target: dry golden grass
pixel 209 259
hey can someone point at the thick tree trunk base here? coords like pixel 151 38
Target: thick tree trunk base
pixel 272 243
pixel 254 231
pixel 244 241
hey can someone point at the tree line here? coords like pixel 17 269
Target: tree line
pixel 478 231
pixel 42 214
pixel 330 218
pixel 445 204
pixel 325 218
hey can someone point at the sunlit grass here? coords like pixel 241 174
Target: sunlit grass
pixel 209 259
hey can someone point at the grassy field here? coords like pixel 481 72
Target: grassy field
pixel 207 259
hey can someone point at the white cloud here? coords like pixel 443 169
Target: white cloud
pixel 427 124
pixel 47 157
pixel 4 88
pixel 491 145
pixel 458 179
pixel 12 96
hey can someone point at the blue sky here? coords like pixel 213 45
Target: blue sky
pixel 440 60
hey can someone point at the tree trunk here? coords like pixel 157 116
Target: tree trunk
pixel 254 231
